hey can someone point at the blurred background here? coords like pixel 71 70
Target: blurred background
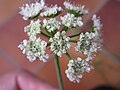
pixel 107 63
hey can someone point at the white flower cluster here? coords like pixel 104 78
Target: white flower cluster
pixel 60 43
pixel 76 69
pixel 88 43
pixel 78 9
pixel 96 23
pixel 51 24
pixel 49 11
pixel 55 29
pixel 31 10
pixel 97 30
pixel 71 21
pixel 33 28
pixel 34 48
pixel 85 43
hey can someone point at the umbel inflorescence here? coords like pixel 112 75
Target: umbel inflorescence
pixel 49 22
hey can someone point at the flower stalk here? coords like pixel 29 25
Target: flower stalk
pixel 56 61
pixel 68 55
pixel 45 35
pixel 71 36
pixel 74 41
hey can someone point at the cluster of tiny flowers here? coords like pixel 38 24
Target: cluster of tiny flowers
pixel 96 22
pixel 90 42
pixel 78 9
pixel 34 48
pixel 97 31
pixel 49 11
pixel 51 24
pixel 69 20
pixel 60 43
pixel 76 69
pixel 55 28
pixel 31 10
pixel 90 56
pixel 33 28
pixel 85 43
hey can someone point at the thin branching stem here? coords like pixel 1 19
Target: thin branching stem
pixel 71 36
pixel 68 55
pixel 74 41
pixel 45 35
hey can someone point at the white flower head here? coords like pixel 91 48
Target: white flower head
pixel 96 22
pixel 90 56
pixel 71 21
pixel 88 43
pixel 49 11
pixel 34 48
pixel 23 45
pixel 31 10
pixel 56 28
pixel 76 69
pixel 33 28
pixel 59 43
pixel 51 24
pixel 78 9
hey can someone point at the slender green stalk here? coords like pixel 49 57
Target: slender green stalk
pixel 48 44
pixel 74 35
pixel 64 29
pixel 68 55
pixel 56 60
pixel 46 30
pixel 92 29
pixel 77 14
pixel 51 34
pixel 45 35
pixel 74 41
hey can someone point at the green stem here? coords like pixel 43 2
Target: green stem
pixel 45 35
pixel 56 60
pixel 48 44
pixel 92 29
pixel 74 41
pixel 77 14
pixel 64 29
pixel 68 55
pixel 52 33
pixel 74 35
pixel 46 30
